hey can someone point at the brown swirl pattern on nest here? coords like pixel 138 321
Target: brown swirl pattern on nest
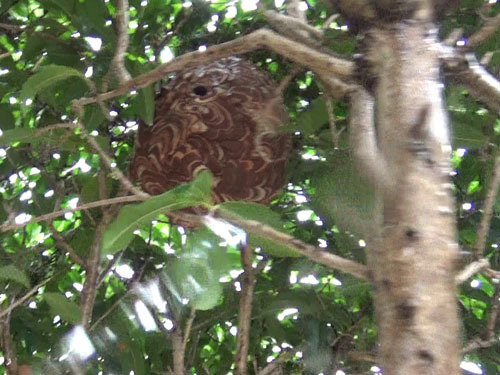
pixel 223 116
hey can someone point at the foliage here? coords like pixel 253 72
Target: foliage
pixel 53 52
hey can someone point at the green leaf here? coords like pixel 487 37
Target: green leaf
pixel 120 232
pixel 264 215
pixel 196 272
pixel 34 46
pixel 66 309
pixel 145 104
pixel 47 76
pixel 13 273
pixel 316 115
pixel 7 120
pixel 5 5
pixel 342 196
pixel 93 117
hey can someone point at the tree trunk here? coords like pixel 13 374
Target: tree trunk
pixel 415 247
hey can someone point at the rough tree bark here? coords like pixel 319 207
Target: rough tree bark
pixel 414 246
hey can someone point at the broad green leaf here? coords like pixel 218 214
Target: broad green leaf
pixel 47 76
pixel 13 273
pixel 145 104
pixel 264 215
pixel 34 46
pixel 196 272
pixel 120 232
pixel 66 309
pixel 7 120
pixel 21 135
pixel 5 4
pixel 342 196
pixel 93 117
pixel 313 117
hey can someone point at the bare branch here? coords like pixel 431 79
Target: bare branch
pixel 109 164
pixel 173 32
pixel 316 254
pixel 479 343
pixel 52 215
pixel 245 313
pixel 471 270
pixel 495 309
pixel 7 346
pixel 61 242
pixel 108 268
pixel 295 28
pixel 117 66
pixel 322 63
pixel 466 71
pixel 286 81
pixel 187 329
pixel 489 202
pixel 93 263
pixel 49 128
pixel 489 28
pixel 178 351
pixel 363 140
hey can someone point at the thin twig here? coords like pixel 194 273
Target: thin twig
pixel 109 164
pixel 24 298
pixel 245 311
pixel 314 253
pixel 331 120
pixel 187 329
pixel 282 358
pixel 489 202
pixel 173 32
pixel 52 215
pixel 286 81
pixel 108 268
pixel 61 242
pixel 62 125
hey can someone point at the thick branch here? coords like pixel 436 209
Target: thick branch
pixel 245 313
pixel 323 64
pixel 466 71
pixel 118 63
pixel 489 28
pixel 178 351
pixel 363 140
pixel 471 270
pixel 8 347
